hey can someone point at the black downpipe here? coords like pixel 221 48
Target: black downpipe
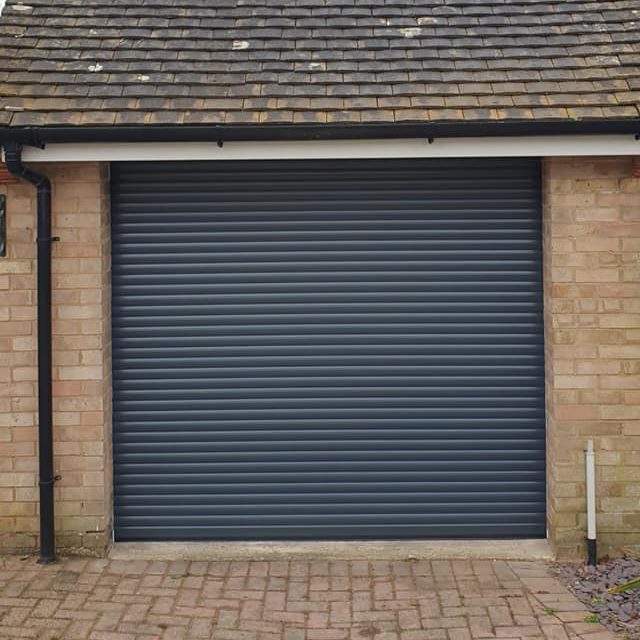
pixel 13 160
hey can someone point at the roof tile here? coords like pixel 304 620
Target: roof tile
pixel 114 62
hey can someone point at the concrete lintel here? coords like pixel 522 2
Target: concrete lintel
pixel 336 550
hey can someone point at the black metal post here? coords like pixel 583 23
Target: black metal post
pixel 45 431
pixel 592 556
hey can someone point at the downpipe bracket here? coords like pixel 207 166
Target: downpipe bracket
pixel 51 482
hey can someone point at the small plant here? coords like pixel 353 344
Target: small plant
pixel 592 618
pixel 549 611
pixel 596 600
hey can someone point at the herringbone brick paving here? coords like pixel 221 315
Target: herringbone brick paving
pixel 87 599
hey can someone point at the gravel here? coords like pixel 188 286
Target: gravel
pixel 618 612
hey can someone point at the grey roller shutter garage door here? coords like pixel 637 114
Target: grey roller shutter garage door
pixel 328 350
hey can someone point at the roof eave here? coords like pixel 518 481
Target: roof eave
pixel 39 136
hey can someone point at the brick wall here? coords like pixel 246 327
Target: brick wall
pixel 592 317
pixel 592 326
pixel 81 352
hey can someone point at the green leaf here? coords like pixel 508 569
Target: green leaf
pixel 627 586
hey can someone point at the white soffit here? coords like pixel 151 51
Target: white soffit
pixel 540 146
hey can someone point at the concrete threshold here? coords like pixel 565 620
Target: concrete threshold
pixel 336 550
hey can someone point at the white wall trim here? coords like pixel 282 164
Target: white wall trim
pixel 540 146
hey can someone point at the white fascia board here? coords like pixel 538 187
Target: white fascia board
pixel 489 147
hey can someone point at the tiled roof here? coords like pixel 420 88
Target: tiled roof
pixel 118 62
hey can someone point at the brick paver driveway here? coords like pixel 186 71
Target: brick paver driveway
pixel 80 599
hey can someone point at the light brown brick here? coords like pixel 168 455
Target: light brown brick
pixel 590 303
pixel 80 325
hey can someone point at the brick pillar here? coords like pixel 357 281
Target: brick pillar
pixel 592 335
pixel 81 362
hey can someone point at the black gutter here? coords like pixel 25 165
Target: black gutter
pixel 40 136
pixel 13 160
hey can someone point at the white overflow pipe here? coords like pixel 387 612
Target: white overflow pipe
pixel 590 471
